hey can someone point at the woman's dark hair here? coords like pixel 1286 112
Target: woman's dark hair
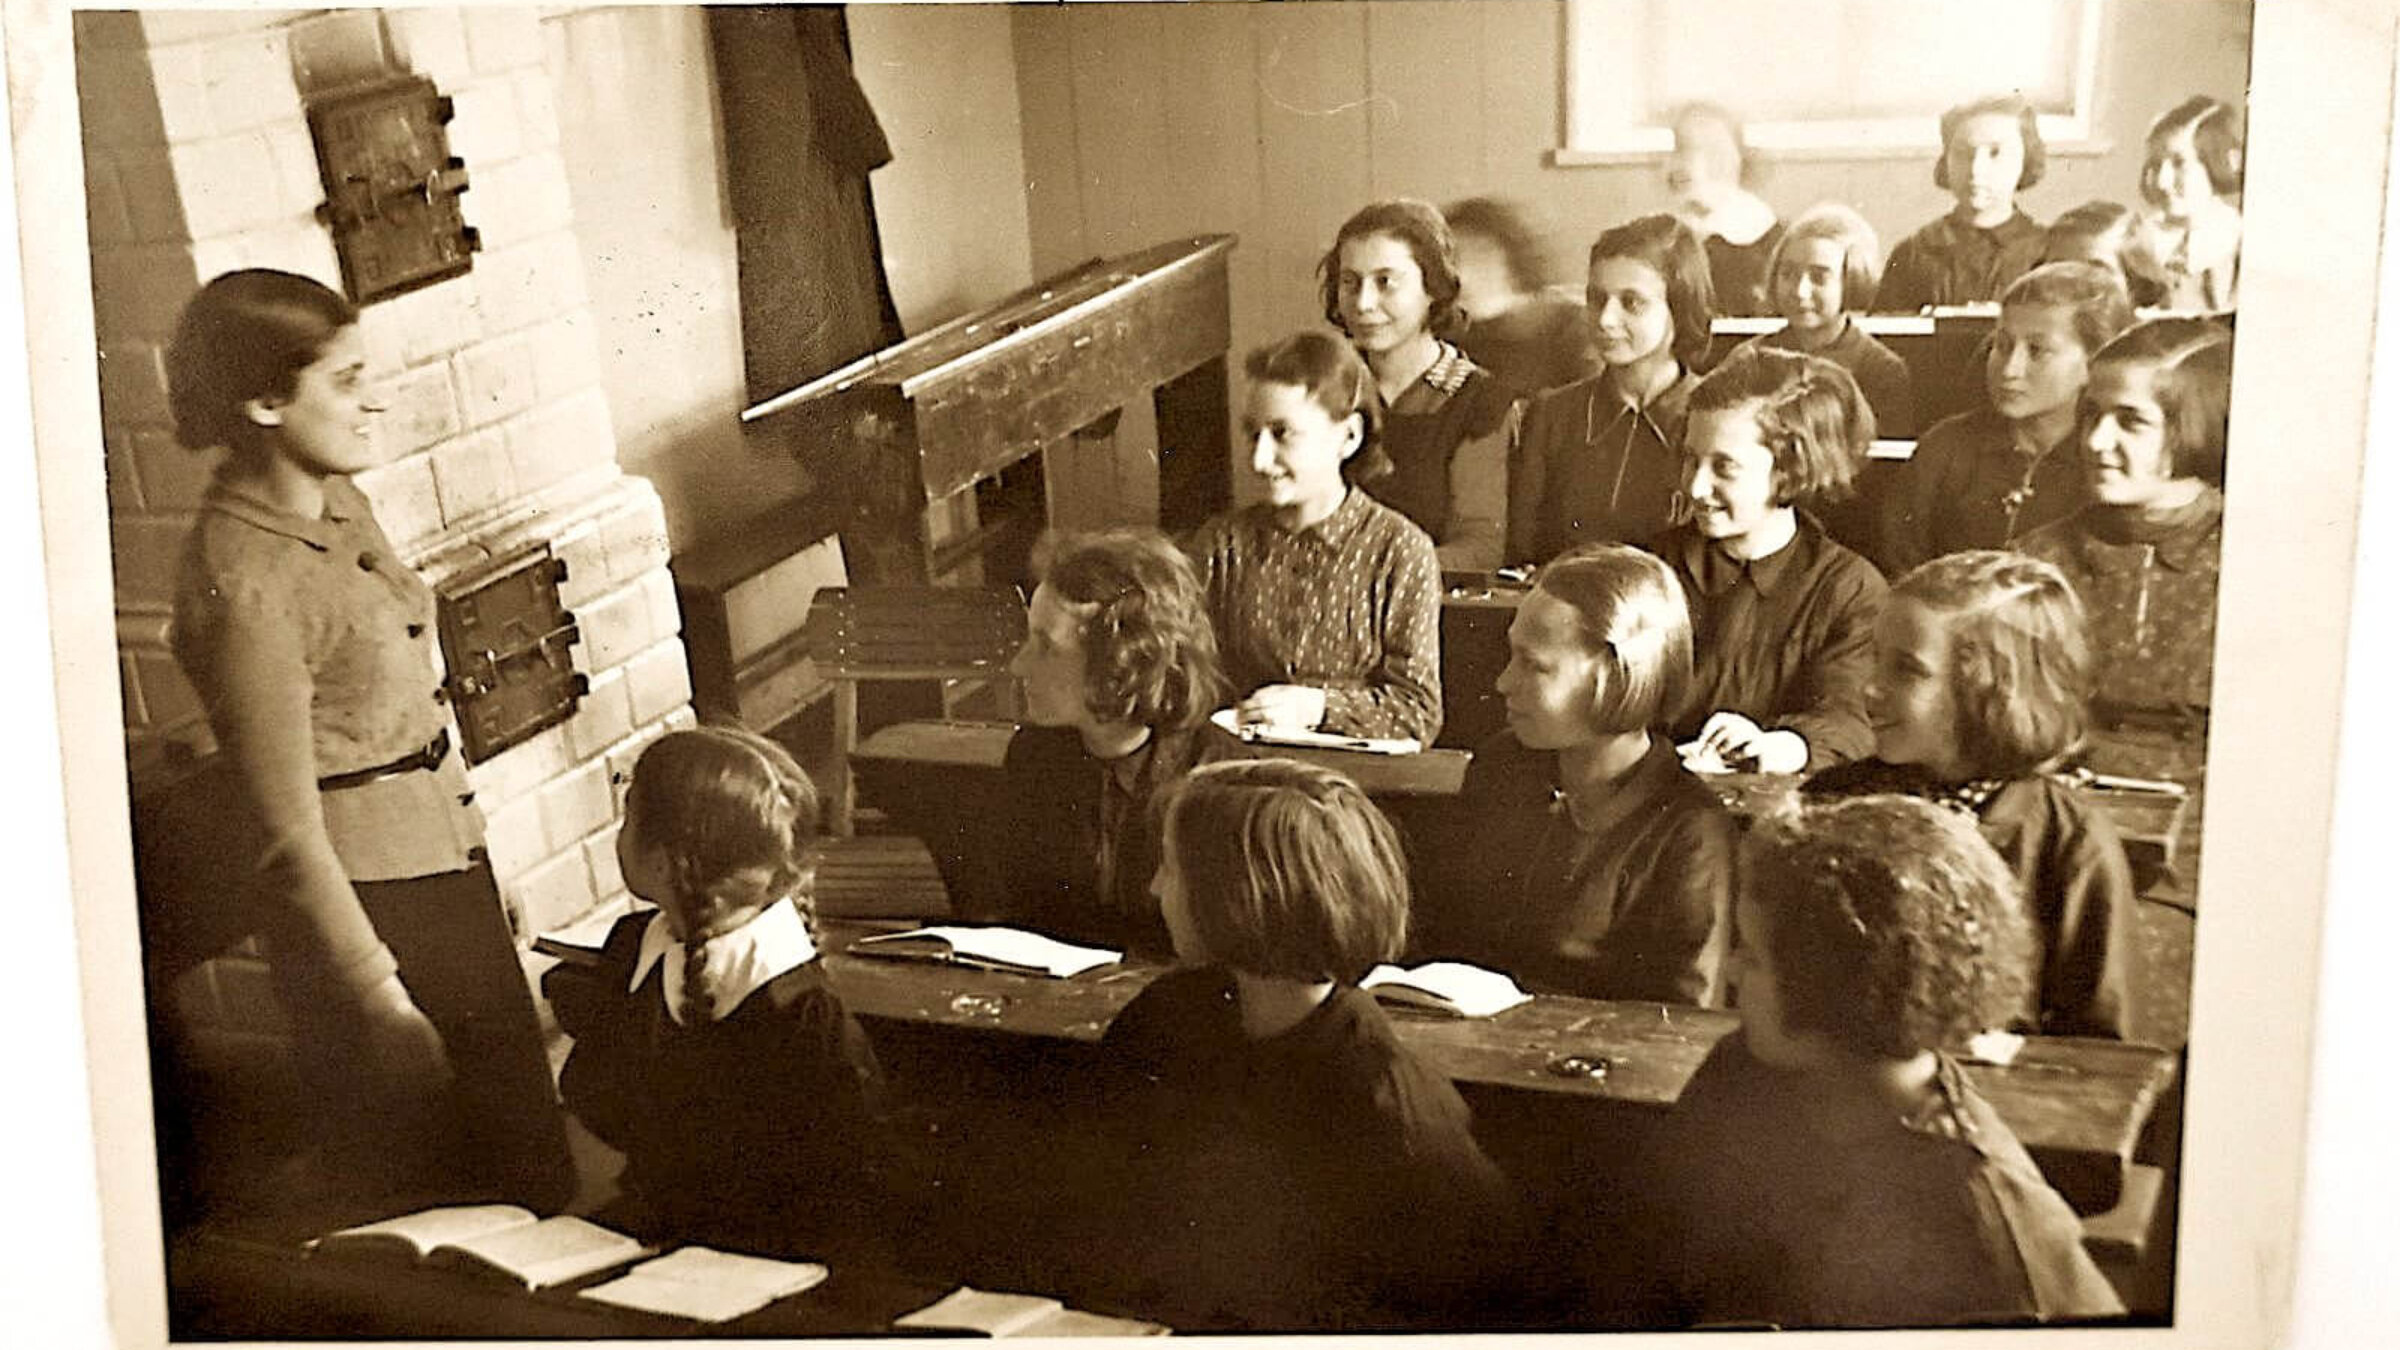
pixel 246 335
pixel 2216 138
pixel 1892 926
pixel 2020 660
pixel 1419 226
pixel 1503 224
pixel 2192 361
pixel 2029 130
pixel 1811 417
pixel 1288 870
pixel 1676 254
pixel 1149 652
pixel 1335 378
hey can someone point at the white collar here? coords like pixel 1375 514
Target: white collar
pixel 772 943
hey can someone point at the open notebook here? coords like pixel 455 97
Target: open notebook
pixel 503 1241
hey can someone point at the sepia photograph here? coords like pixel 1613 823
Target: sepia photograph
pixel 1567 668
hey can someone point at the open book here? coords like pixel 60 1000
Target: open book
pixel 1452 987
pixel 967 1309
pixel 1009 949
pixel 500 1240
pixel 707 1285
pixel 1310 739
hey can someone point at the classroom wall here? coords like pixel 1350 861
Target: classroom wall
pixel 1276 121
pixel 951 204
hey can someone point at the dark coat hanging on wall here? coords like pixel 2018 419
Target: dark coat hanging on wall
pixel 800 140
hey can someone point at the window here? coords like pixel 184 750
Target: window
pixel 1821 78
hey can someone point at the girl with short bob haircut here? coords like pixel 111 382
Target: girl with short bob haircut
pixel 1992 150
pixel 1783 613
pixel 1829 1164
pixel 1390 282
pixel 1982 675
pixel 1596 461
pixel 1326 602
pixel 1273 1158
pixel 1822 273
pixel 1989 477
pixel 2188 239
pixel 2144 554
pixel 310 645
pixel 711 1020
pixel 1529 338
pixel 1621 891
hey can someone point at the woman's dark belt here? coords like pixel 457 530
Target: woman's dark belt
pixel 428 757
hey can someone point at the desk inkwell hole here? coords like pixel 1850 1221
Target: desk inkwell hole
pixel 1593 1067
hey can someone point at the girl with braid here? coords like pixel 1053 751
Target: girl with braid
pixel 710 1046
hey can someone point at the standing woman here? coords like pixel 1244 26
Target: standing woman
pixel 311 647
pixel 1390 282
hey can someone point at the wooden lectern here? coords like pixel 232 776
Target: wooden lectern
pixel 899 430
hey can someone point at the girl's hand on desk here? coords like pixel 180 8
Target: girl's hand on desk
pixel 1295 707
pixel 1742 743
pixel 403 1042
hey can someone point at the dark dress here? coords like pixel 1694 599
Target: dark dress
pixel 1787 640
pixel 1951 261
pixel 1320 1179
pixel 1543 344
pixel 1445 451
pixel 1590 467
pixel 1933 1220
pixel 1074 847
pixel 1627 902
pixel 752 1132
pixel 1968 487
pixel 1738 272
pixel 2076 883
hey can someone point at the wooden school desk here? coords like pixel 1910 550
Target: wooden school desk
pixel 260 1282
pixel 2078 1105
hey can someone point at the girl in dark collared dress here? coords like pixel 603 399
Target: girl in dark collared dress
pixel 311 647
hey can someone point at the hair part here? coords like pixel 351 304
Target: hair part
pixel 736 817
pixel 246 336
pixel 1893 926
pixel 2029 131
pixel 2191 360
pixel 1288 870
pixel 1811 417
pixel 2021 670
pixel 1335 377
pixel 1862 252
pixel 1420 227
pixel 1631 613
pixel 2092 293
pixel 1149 650
pixel 2216 138
pixel 1672 250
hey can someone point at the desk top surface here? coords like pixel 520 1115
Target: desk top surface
pixel 2065 1097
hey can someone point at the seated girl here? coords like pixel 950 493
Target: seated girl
pixel 1119 671
pixel 1327 603
pixel 1987 478
pixel 1991 151
pixel 1274 1158
pixel 1596 461
pixel 1829 1165
pixel 710 1046
pixel 1583 857
pixel 2143 555
pixel 1711 173
pixel 1528 338
pixel 1391 283
pixel 1982 673
pixel 2188 240
pixel 1783 617
pixel 1822 272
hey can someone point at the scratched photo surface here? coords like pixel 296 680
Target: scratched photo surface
pixel 671 319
